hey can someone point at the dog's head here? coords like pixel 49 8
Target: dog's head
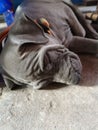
pixel 57 64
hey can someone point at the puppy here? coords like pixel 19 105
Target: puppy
pixel 41 45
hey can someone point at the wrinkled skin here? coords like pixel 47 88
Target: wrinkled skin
pixel 32 57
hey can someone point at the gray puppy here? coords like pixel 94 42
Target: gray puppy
pixel 41 45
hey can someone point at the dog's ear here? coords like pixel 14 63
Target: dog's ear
pixel 25 30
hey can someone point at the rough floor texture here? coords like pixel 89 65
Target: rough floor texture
pixel 58 107
pixel 66 108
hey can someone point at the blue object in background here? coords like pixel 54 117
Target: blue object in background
pixel 5 5
pixel 16 3
pixel 77 1
pixel 8 17
pixel 5 9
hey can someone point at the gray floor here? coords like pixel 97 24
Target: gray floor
pixel 65 108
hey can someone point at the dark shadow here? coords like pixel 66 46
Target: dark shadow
pixel 53 86
pixel 2 84
pixel 18 87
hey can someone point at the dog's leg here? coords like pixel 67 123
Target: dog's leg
pixel 90 32
pixel 83 45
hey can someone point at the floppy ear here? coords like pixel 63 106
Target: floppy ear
pixel 26 30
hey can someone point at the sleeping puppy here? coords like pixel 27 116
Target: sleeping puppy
pixel 41 45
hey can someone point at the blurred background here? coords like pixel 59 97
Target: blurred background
pixel 8 7
pixel 7 10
